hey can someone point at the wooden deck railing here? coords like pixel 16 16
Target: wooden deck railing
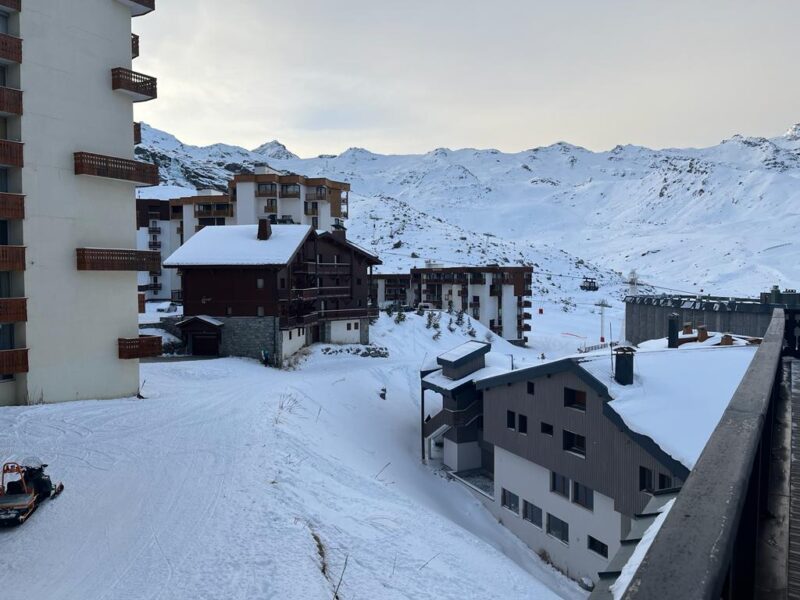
pixel 13 310
pixel 10 101
pixel 12 258
pixel 114 259
pixel 14 361
pixel 142 347
pixel 11 154
pixel 98 165
pixel 141 86
pixel 12 206
pixel 10 48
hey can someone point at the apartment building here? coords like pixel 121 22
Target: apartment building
pixel 566 453
pixel 207 209
pixel 494 295
pixel 264 291
pixel 68 262
pixel 157 231
pixel 289 198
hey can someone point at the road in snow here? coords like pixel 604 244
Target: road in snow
pixel 237 481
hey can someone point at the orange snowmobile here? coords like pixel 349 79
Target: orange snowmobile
pixel 23 487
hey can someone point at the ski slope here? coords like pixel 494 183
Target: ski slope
pixel 236 481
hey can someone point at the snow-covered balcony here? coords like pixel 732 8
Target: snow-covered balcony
pixel 138 86
pixel 139 7
pixel 112 167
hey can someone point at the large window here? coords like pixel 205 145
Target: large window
pixel 575 399
pixel 532 513
pixel 511 419
pixel 574 443
pixel 582 495
pixel 523 424
pixel 557 528
pixel 597 547
pixel 559 484
pixel 664 481
pixel 645 479
pixel 510 501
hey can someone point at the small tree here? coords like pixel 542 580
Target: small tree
pixel 400 317
pixel 438 334
pixel 460 317
pixel 471 332
pixel 451 326
pixel 449 307
pixel 429 324
pixel 390 310
pixel 436 319
pixel 420 310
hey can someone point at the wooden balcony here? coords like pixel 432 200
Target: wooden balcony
pixel 12 258
pixel 324 268
pixel 11 154
pixel 334 292
pixel 115 259
pixel 271 206
pixel 292 193
pixel 12 206
pixel 137 133
pixel 268 192
pixel 138 86
pixel 141 299
pixel 316 195
pixel 13 310
pixel 111 167
pixel 144 346
pixel 156 230
pixel 139 7
pixel 311 211
pixel 10 101
pixel 15 5
pixel 154 245
pixel 10 49
pixel 214 212
pixel 14 361
pixel 134 46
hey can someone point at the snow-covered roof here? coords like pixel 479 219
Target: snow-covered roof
pixel 464 350
pixel 239 245
pixel 438 380
pixel 204 318
pixel 678 396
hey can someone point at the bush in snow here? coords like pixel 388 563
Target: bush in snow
pixel 397 244
pixel 451 326
pixel 438 334
pixel 429 324
pixel 436 319
pixel 460 317
pixel 390 310
pixel 420 310
pixel 449 307
pixel 400 317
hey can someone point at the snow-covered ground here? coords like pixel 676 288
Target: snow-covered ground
pixel 232 480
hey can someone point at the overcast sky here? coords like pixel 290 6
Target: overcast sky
pixel 396 77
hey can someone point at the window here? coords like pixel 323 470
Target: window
pixel 523 424
pixel 355 325
pixel 260 311
pixel 664 481
pixel 290 334
pixel 559 484
pixel 645 479
pixel 511 418
pixel 260 283
pixel 532 513
pixel 547 429
pixel 597 547
pixel 574 443
pixel 510 501
pixel 531 388
pixel 557 528
pixel 575 399
pixel 582 495
pixel 349 326
pixel 283 283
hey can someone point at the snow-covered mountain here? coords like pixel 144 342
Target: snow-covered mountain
pixel 723 219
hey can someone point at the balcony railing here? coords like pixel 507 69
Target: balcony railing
pixel 271 207
pixel 144 346
pixel 12 206
pixel 114 259
pixel 123 169
pixel 11 154
pixel 134 46
pixel 10 49
pixel 12 258
pixel 139 86
pixel 139 7
pixel 324 268
pixel 334 292
pixel 142 301
pixel 214 212
pixel 12 4
pixel 14 361
pixel 316 195
pixel 311 211
pixel 10 101
pixel 137 133
pixel 154 245
pixel 270 192
pixel 13 310
pixel 348 313
pixel 290 193
pixel 156 230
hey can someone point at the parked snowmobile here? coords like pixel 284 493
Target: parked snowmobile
pixel 23 487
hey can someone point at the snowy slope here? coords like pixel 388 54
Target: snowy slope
pixel 236 481
pixel 722 218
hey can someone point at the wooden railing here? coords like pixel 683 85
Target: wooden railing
pixel 114 259
pixel 98 165
pixel 138 84
pixel 11 154
pixel 214 212
pixel 154 230
pixel 333 292
pixel 141 298
pixel 12 206
pixel 134 46
pixel 12 4
pixel 271 206
pixel 12 258
pixel 10 48
pixel 137 133
pixel 142 347
pixel 14 361
pixel 271 192
pixel 13 310
pixel 10 101
pixel 154 245
pixel 290 194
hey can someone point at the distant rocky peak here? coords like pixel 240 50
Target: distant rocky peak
pixel 793 135
pixel 276 150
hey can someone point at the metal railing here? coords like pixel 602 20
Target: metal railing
pixel 135 83
pixel 708 547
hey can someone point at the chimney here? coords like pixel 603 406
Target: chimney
pixel 727 340
pixel 687 329
pixel 702 333
pixel 339 234
pixel 264 229
pixel 623 367
pixel 673 330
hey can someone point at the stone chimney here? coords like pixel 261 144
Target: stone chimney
pixel 687 329
pixel 623 365
pixel 702 333
pixel 672 336
pixel 727 340
pixel 339 234
pixel 264 229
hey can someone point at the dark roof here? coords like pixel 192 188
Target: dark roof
pixel 371 259
pixel 550 368
pixel 460 358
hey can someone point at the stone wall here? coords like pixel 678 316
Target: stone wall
pixel 249 336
